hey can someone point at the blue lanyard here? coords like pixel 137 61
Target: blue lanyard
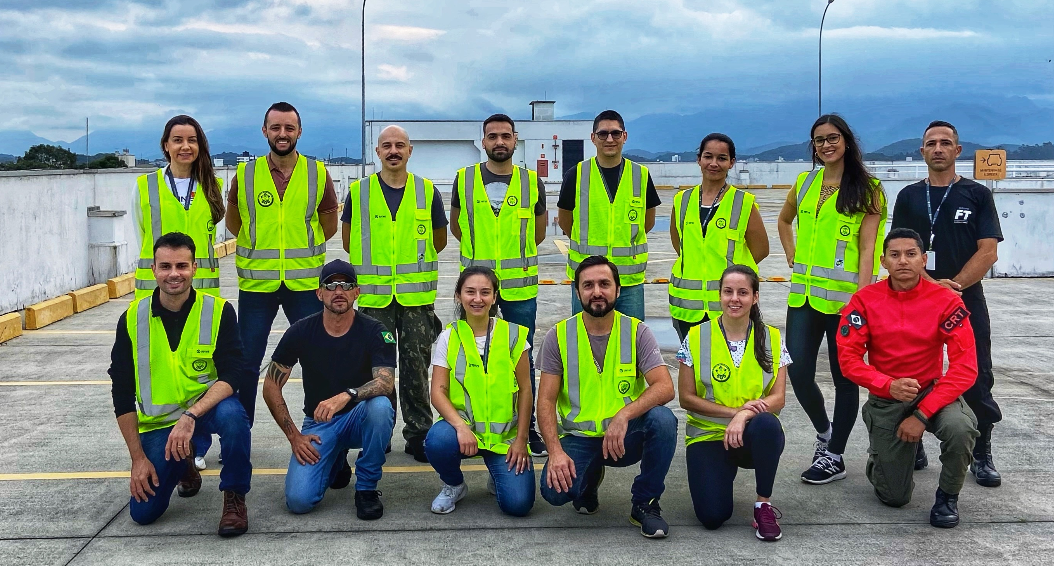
pixel 929 207
pixel 172 186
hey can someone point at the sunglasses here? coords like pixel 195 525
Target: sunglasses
pixel 345 285
pixel 604 134
pixel 831 139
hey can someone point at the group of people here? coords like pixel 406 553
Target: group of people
pixel 184 367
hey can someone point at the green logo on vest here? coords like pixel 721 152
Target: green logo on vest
pixel 421 229
pixel 265 199
pixel 721 373
pixel 388 338
pixel 623 387
pixel 210 226
pixel 721 223
pixel 633 216
pixel 199 365
pixel 512 200
pixel 844 230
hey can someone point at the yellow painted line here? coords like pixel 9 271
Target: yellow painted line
pixel 57 476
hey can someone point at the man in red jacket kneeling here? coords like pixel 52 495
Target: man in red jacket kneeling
pixel 903 325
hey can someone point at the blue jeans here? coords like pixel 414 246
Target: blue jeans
pixel 630 301
pixel 226 419
pixel 368 426
pixel 524 313
pixel 651 439
pixel 515 491
pixel 256 312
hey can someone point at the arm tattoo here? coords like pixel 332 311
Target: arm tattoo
pixel 278 373
pixel 382 384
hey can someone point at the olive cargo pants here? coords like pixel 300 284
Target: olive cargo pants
pixel 891 461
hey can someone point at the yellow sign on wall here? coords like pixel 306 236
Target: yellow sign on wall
pixel 989 164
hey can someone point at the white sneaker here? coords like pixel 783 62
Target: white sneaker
pixel 199 463
pixel 491 488
pixel 448 497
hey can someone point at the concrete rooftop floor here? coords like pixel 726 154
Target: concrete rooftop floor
pixel 61 422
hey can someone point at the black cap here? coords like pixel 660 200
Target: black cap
pixel 338 267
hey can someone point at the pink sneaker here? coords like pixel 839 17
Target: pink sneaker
pixel 768 529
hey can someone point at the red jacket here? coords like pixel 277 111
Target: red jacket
pixel 903 334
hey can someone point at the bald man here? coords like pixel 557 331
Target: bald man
pixel 394 226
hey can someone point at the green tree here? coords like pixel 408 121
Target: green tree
pixel 107 162
pixel 45 156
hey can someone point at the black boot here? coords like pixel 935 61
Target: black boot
pixel 945 511
pixel 983 469
pixel 921 461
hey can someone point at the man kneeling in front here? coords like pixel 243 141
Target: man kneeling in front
pixel 903 325
pixel 174 361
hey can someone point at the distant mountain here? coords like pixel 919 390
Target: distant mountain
pixel 16 142
pixel 5 158
pixel 760 148
pixel 792 152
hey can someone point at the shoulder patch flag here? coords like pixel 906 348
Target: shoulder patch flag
pixel 855 319
pixel 388 338
pixel 955 319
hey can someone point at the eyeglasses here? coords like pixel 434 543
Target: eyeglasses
pixel 831 139
pixel 345 285
pixel 604 134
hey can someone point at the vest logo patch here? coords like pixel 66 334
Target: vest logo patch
pixel 265 199
pixel 623 387
pixel 421 229
pixel 388 338
pixel 844 230
pixel 512 200
pixel 632 216
pixel 955 319
pixel 721 223
pixel 199 365
pixel 721 373
pixel 210 226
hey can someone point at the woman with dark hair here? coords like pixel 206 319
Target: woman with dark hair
pixel 733 383
pixel 841 213
pixel 728 230
pixel 184 197
pixel 481 409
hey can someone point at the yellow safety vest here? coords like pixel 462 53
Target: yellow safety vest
pixel 485 397
pixel 163 213
pixel 166 382
pixel 611 229
pixel 718 379
pixel 589 398
pixel 393 257
pixel 504 243
pixel 695 286
pixel 281 239
pixel 827 250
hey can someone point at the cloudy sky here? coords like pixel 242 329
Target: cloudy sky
pixel 131 65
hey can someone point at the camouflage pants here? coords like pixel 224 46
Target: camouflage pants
pixel 415 329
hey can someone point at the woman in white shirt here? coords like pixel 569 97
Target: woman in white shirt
pixel 479 368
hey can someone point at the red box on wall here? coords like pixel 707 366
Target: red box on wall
pixel 543 168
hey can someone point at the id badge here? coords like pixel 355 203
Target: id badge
pixel 931 261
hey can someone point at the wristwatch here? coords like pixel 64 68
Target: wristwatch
pixel 354 394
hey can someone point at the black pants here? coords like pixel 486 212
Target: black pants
pixel 806 328
pixel 979 396
pixel 712 469
pixel 683 326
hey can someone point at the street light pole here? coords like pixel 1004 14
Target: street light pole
pixel 819 65
pixel 362 139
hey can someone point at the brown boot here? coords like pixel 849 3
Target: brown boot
pixel 190 483
pixel 235 519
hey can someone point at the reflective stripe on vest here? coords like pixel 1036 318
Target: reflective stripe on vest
pixel 572 384
pixel 264 267
pixel 631 259
pixel 695 282
pixel 167 214
pixel 501 382
pixel 522 283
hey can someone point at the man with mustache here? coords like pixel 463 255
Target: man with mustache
pixel 903 326
pixel 348 362
pixel 602 371
pixel 501 227
pixel 394 226
pixel 283 208
pixel 960 227
pixel 175 365
pixel 607 207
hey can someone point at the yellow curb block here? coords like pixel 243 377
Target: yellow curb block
pixel 89 297
pixel 121 285
pixel 10 326
pixel 49 311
